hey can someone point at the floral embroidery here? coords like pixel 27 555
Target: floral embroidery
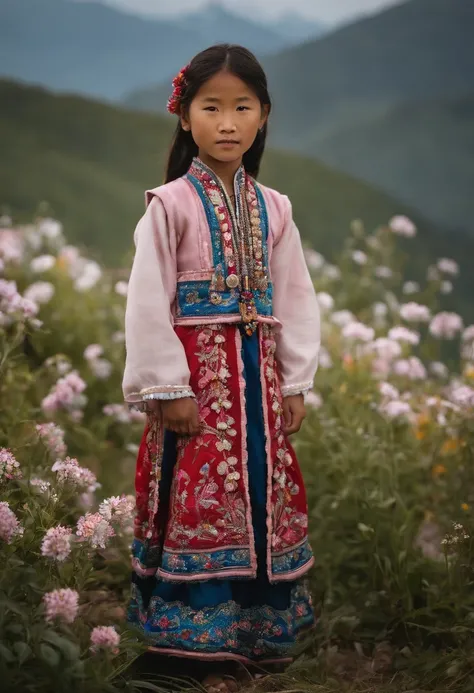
pixel 256 633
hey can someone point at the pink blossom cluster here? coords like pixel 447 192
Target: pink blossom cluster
pixel 314 260
pixel 69 471
pixel 117 508
pixel 10 527
pixel 402 226
pixel 40 292
pixel 462 395
pixel 446 325
pixel 53 437
pixel 104 638
pixel 57 543
pixel 12 304
pixel 411 368
pixel 358 331
pixel 65 394
pixel 93 527
pixel 448 266
pixel 415 312
pixel 62 604
pixel 122 414
pixel 402 334
pixel 9 465
pixel 11 244
pixel 314 400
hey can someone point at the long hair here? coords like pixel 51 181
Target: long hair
pixel 243 64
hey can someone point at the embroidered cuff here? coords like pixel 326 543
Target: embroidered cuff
pixel 297 389
pixel 179 394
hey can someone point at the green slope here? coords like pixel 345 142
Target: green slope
pixel 92 163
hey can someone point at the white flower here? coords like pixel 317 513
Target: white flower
pixel 331 272
pixel 411 288
pixel 468 334
pixel 342 317
pixel 383 272
pixel 101 368
pixel 415 312
pixel 387 349
pixel 446 287
pixel 402 226
pixel 411 368
pixel 380 309
pixel 314 400
pixel 359 257
pixel 93 351
pixel 463 396
pixel 325 360
pixel 325 301
pixel 50 228
pixel 121 288
pixel 118 337
pixel 439 369
pixel 448 266
pixel 314 260
pixel 446 325
pixel 395 408
pixel 403 334
pixel 91 273
pixel 42 263
pixel 359 331
pixel 388 391
pixel 40 292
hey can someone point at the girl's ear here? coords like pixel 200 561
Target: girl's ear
pixel 264 118
pixel 185 124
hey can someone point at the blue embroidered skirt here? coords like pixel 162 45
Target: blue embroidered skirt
pixel 247 620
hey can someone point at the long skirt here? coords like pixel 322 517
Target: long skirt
pixel 250 620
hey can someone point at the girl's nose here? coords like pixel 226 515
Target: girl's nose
pixel 227 125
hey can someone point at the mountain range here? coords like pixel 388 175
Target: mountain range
pixel 386 98
pixel 91 49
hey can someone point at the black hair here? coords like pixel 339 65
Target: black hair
pixel 243 64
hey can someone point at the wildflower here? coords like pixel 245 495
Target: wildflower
pixel 42 263
pixel 415 312
pixel 95 528
pixel 403 334
pixel 380 309
pixel 9 524
pixel 411 368
pixel 468 334
pixel 62 604
pixel 383 272
pixel 105 638
pixel 313 259
pixel 39 292
pixel 411 288
pixel 101 368
pixel 331 272
pixel 439 369
pixel 446 325
pixel 465 507
pixel 119 412
pixel 438 470
pixel 446 287
pixel 118 337
pixel 342 317
pixel 385 348
pixel 359 257
pixel 448 266
pixel 53 437
pixel 69 471
pixel 395 409
pixel 57 543
pixel 451 445
pixel 9 465
pixel 91 273
pixel 42 485
pixel 325 301
pixel 359 331
pixel 314 400
pixel 121 288
pixel 50 228
pixel 325 360
pixel 93 351
pixel 65 394
pixel 402 226
pixel 388 391
pixel 117 508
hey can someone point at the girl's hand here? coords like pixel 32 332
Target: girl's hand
pixel 294 413
pixel 181 416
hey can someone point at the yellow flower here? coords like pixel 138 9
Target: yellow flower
pixel 449 446
pixel 439 469
pixel 465 506
pixel 420 433
pixel 343 388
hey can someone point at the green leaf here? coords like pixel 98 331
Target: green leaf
pixel 23 651
pixel 5 654
pixel 49 655
pixel 69 649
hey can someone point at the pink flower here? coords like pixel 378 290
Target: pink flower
pixel 40 292
pixel 383 272
pixel 415 312
pixel 359 257
pixel 395 409
pixel 439 369
pixel 411 368
pixel 314 400
pixel 463 396
pixel 313 259
pixel 121 288
pixel 388 391
pixel 9 466
pixel 468 334
pixel 66 394
pixel 93 351
pixel 95 528
pixel 53 437
pixel 342 318
pixel 62 604
pixel 117 508
pixel 446 325
pixel 9 524
pixel 402 226
pixel 448 266
pixel 411 288
pixel 57 543
pixel 42 263
pixel 358 331
pixel 106 638
pixel 403 334
pixel 325 301
pixel 69 471
pixel 385 348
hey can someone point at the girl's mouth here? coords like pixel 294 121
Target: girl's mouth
pixel 227 142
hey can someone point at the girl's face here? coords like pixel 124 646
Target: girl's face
pixel 224 118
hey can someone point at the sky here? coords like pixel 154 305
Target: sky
pixel 328 11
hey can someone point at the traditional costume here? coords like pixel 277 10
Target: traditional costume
pixel 220 307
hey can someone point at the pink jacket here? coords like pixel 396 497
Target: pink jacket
pixel 173 245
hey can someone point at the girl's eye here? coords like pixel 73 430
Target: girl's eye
pixel 210 108
pixel 243 108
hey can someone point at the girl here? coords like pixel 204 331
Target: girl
pixel 222 337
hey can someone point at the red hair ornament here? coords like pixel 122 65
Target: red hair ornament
pixel 179 83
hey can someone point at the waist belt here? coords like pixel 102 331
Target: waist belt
pixel 198 298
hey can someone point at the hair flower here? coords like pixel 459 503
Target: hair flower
pixel 179 83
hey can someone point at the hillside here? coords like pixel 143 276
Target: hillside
pixel 419 152
pixel 92 49
pixel 92 162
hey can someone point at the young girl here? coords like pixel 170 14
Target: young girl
pixel 222 337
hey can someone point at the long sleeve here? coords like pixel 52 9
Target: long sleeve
pixel 156 366
pixel 295 305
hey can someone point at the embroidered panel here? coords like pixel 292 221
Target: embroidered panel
pixel 291 561
pixel 179 565
pixel 259 632
pixel 197 298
